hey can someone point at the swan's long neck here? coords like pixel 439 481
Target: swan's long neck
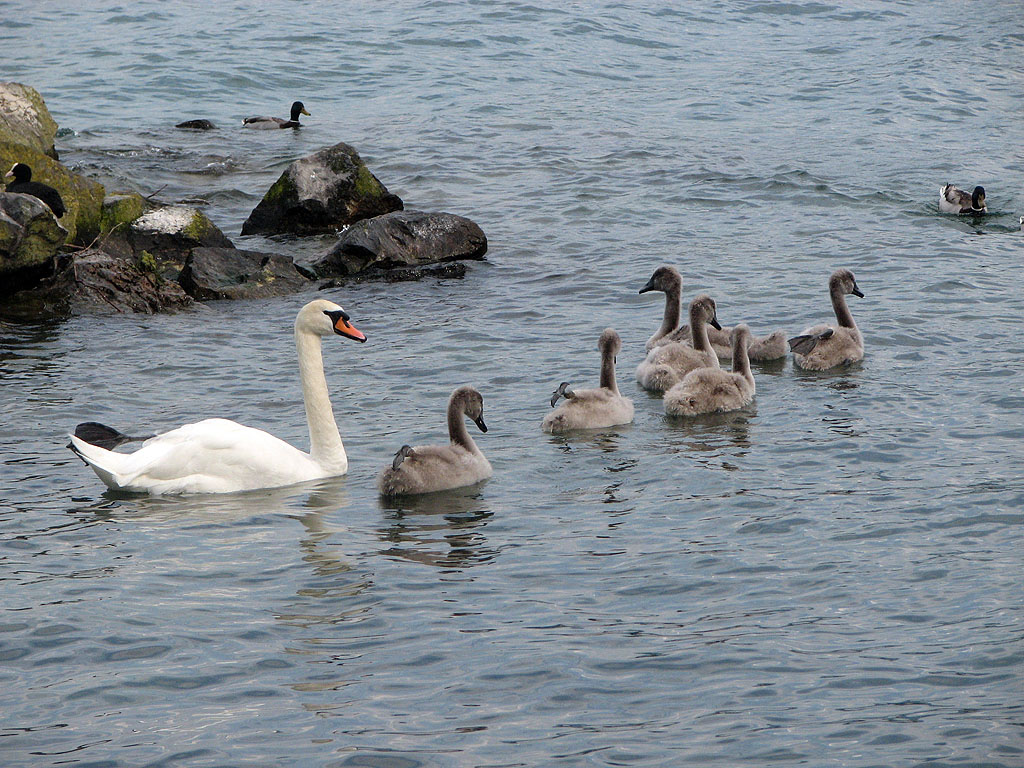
pixel 325 445
pixel 699 331
pixel 843 314
pixel 457 426
pixel 740 358
pixel 608 369
pixel 670 320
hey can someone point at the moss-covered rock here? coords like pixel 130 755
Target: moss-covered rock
pixel 29 235
pixel 83 198
pixel 25 120
pixel 323 192
pixel 169 233
pixel 120 210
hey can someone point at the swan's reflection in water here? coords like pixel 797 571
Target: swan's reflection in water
pixel 318 495
pixel 443 529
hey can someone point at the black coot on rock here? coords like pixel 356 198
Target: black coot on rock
pixel 24 185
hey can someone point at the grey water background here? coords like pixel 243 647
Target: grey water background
pixel 830 578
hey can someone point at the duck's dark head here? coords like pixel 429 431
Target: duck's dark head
pixel 978 198
pixel 298 109
pixel 20 173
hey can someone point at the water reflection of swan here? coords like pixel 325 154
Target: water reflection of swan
pixel 442 529
pixel 318 496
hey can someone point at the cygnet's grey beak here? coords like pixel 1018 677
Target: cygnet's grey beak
pixel 649 287
pixel 856 292
pixel 479 421
pixel 714 322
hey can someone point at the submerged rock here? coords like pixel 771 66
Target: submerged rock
pixel 321 193
pixel 25 120
pixel 30 235
pixel 231 273
pixel 197 125
pixel 403 239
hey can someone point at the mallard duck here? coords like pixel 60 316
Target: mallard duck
pixel 277 122
pixel 953 200
pixel 24 185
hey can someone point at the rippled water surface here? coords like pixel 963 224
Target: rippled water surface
pixel 831 577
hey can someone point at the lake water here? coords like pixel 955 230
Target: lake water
pixel 831 577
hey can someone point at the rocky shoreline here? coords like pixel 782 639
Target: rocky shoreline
pixel 121 252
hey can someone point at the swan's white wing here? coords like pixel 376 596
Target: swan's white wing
pixel 211 456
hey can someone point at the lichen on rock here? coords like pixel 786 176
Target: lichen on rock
pixel 29 234
pixel 24 119
pixel 321 193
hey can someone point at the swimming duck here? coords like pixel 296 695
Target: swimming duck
pixel 222 456
pixel 824 346
pixel 953 200
pixel 24 185
pixel 277 122
pixel 592 408
pixel 429 468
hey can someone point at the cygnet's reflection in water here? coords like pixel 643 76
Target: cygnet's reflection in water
pixel 710 433
pixel 606 440
pixel 444 529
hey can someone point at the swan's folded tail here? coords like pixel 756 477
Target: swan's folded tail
pixel 106 464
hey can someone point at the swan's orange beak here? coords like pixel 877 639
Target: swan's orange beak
pixel 344 328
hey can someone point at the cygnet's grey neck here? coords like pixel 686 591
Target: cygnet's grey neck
pixel 670 320
pixel 608 368
pixel 842 309
pixel 457 431
pixel 699 330
pixel 740 357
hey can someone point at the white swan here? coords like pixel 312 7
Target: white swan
pixel 429 468
pixel 221 456
pixel 666 364
pixel 824 346
pixel 712 390
pixel 592 408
